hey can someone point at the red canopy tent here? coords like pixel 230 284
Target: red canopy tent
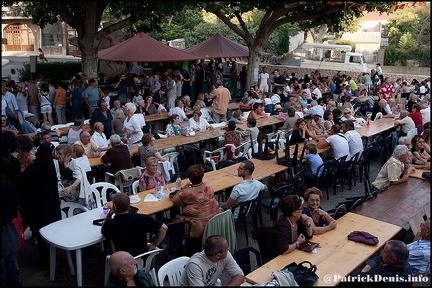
pixel 143 48
pixel 219 46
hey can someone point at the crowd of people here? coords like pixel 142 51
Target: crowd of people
pixel 326 109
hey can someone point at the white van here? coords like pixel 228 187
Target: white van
pixel 333 57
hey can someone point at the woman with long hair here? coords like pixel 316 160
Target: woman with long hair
pixel 299 133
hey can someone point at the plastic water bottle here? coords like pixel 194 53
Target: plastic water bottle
pixel 178 183
pixel 129 144
pixel 157 190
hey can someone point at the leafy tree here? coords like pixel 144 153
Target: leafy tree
pixel 277 13
pixel 85 17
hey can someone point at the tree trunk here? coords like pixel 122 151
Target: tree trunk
pixel 253 66
pixel 89 58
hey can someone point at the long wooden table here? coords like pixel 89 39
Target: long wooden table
pixel 263 168
pixel 418 173
pixel 398 203
pixel 64 131
pixel 376 127
pixel 338 256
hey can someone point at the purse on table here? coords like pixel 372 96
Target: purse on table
pixel 304 273
pixel 308 246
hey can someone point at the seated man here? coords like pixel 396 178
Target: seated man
pixel 178 109
pixel 405 122
pixel 337 141
pixel 46 126
pixel 205 267
pixel 46 138
pixel 124 272
pixel 395 171
pixel 118 156
pixel 353 137
pixel 91 149
pixel 27 126
pixel 129 231
pixel 419 251
pixel 8 127
pixel 99 136
pixel 247 189
pixel 393 263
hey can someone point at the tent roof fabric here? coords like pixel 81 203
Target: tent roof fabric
pixel 219 46
pixel 143 48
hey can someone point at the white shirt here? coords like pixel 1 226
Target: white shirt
pixel 339 146
pixel 100 139
pixel 317 93
pixel 180 112
pixel 202 125
pixel 131 126
pixel 354 141
pixel 275 99
pixel 425 115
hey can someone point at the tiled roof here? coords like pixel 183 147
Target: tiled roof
pixel 363 37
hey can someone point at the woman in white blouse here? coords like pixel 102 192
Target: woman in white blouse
pixel 131 124
pixel 197 123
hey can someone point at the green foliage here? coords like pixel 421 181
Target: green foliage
pixel 345 42
pixel 54 70
pixel 394 56
pixel 407 41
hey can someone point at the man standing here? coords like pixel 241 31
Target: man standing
pixel 419 251
pixel 263 80
pixel 102 115
pixel 33 100
pixel 247 189
pixel 205 267
pixel 91 96
pixel 9 101
pixel 129 231
pixel 221 97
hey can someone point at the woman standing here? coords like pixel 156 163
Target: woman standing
pixel 41 203
pixel 44 99
pixel 291 230
pixel 198 205
pixel 322 221
pixel 131 125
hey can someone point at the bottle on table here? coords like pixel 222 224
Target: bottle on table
pixel 178 183
pixel 158 190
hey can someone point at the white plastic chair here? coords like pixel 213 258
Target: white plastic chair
pixel 173 270
pixel 219 152
pixel 172 156
pixel 240 151
pixel 135 187
pixel 72 206
pixel 148 267
pixel 245 115
pixel 378 116
pixel 120 179
pixel 60 126
pixel 100 195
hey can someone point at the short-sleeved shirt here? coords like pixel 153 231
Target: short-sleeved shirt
pixel 200 271
pixel 244 191
pixel 129 232
pixel 339 146
pixel 146 152
pixel 314 161
pixel 407 124
pixel 92 95
pixel 354 141
pixel 89 148
pixel 391 171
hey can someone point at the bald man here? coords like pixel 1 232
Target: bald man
pixel 91 149
pixel 124 272
pixel 419 251
pixel 99 136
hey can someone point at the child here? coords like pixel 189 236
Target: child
pixel 314 160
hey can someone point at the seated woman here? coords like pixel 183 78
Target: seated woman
pixel 315 129
pixel 237 117
pixel 75 131
pixel 82 159
pixel 197 123
pixel 173 128
pixel 198 205
pixel 147 150
pixel 426 137
pixel 24 147
pixel 231 135
pixel 322 221
pixel 257 112
pixel 290 230
pixel 150 175
pixel 200 101
pixel 347 115
pixel 418 150
pixel 187 102
pixel 299 133
pixel 74 178
pixel 149 107
pixel 140 107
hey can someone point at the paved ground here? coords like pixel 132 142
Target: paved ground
pixel 35 272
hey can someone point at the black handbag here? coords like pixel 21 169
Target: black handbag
pixel 304 273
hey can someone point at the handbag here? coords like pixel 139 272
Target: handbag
pixel 304 273
pixel 308 246
pixel 282 116
pixel 60 186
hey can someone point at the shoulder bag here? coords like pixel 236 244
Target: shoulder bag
pixel 304 273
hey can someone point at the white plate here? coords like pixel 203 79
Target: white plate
pixel 135 199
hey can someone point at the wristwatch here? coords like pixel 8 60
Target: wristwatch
pixel 308 225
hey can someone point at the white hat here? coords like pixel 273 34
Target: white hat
pixel 277 106
pixel 29 115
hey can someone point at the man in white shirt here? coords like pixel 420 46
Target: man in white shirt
pixel 316 92
pixel 99 136
pixel 353 137
pixel 425 111
pixel 263 80
pixel 178 110
pixel 337 141
pixel 276 98
pixel 406 123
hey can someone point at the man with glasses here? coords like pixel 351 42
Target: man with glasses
pixel 205 267
pixel 247 189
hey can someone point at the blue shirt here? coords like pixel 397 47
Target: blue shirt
pixel 419 256
pixel 314 161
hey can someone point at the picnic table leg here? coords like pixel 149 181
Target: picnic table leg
pixel 53 255
pixel 79 267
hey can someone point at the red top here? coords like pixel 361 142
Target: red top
pixel 417 118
